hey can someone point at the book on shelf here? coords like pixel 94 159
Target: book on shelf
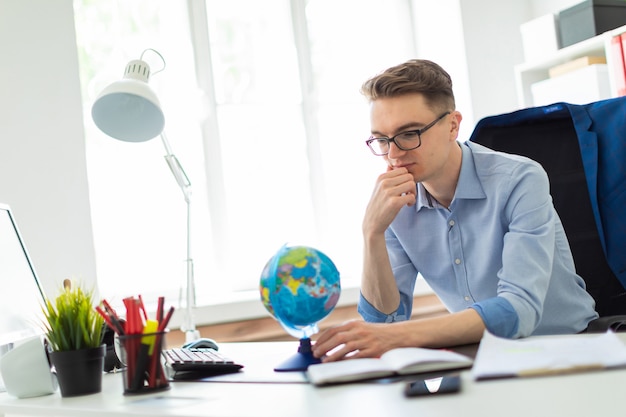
pixel 621 90
pixel 399 361
pixel 547 355
pixel 618 45
pixel 575 64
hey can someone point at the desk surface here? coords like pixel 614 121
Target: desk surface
pixel 585 394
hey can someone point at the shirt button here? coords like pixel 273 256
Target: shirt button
pixel 451 223
pixel 467 298
pixel 457 261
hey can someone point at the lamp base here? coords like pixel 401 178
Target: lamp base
pixel 191 335
pixel 301 360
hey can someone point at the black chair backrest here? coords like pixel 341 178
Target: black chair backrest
pixel 552 142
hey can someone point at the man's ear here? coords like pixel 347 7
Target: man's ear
pixel 455 124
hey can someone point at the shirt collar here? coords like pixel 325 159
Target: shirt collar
pixel 468 186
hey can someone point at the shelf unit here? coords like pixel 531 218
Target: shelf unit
pixel 531 72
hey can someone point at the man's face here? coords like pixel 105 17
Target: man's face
pixel 391 116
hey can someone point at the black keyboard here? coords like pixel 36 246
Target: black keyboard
pixel 197 363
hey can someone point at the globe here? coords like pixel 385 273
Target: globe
pixel 299 287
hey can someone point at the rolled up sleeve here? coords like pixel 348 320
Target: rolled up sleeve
pixel 499 316
pixel 373 315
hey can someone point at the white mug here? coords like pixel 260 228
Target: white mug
pixel 26 370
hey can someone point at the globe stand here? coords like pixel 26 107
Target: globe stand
pixel 301 360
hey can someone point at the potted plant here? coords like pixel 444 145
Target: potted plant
pixel 75 331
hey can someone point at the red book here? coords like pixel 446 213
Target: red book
pixel 623 36
pixel 618 44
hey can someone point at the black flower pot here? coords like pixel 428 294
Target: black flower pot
pixel 79 372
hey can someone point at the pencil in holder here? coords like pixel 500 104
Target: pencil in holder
pixel 141 355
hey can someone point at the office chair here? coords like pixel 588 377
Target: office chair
pixel 583 150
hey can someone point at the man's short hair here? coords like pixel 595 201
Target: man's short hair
pixel 414 76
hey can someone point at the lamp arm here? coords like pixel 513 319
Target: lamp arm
pixel 177 169
pixel 188 327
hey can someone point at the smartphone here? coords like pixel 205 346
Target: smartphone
pixel 433 386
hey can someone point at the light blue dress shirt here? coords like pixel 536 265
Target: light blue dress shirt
pixel 500 249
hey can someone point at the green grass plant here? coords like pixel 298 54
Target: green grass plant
pixel 71 321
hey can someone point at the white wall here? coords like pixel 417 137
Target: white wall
pixel 42 155
pixel 493 47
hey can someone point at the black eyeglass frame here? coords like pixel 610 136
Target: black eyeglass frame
pixel 419 132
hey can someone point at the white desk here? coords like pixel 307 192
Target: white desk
pixel 585 394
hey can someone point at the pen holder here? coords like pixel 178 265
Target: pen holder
pixel 141 354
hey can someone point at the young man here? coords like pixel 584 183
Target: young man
pixel 478 225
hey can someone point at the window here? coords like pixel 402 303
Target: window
pixel 263 110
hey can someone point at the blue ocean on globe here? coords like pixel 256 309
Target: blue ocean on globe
pixel 300 286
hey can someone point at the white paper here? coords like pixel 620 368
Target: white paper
pixel 544 355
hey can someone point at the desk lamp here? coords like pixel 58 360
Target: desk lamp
pixel 130 111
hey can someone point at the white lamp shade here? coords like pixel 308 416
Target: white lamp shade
pixel 128 109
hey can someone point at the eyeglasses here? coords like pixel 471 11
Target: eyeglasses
pixel 405 141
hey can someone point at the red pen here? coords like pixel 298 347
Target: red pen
pixel 113 317
pixel 159 316
pixel 163 323
pixel 142 307
pixel 107 319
